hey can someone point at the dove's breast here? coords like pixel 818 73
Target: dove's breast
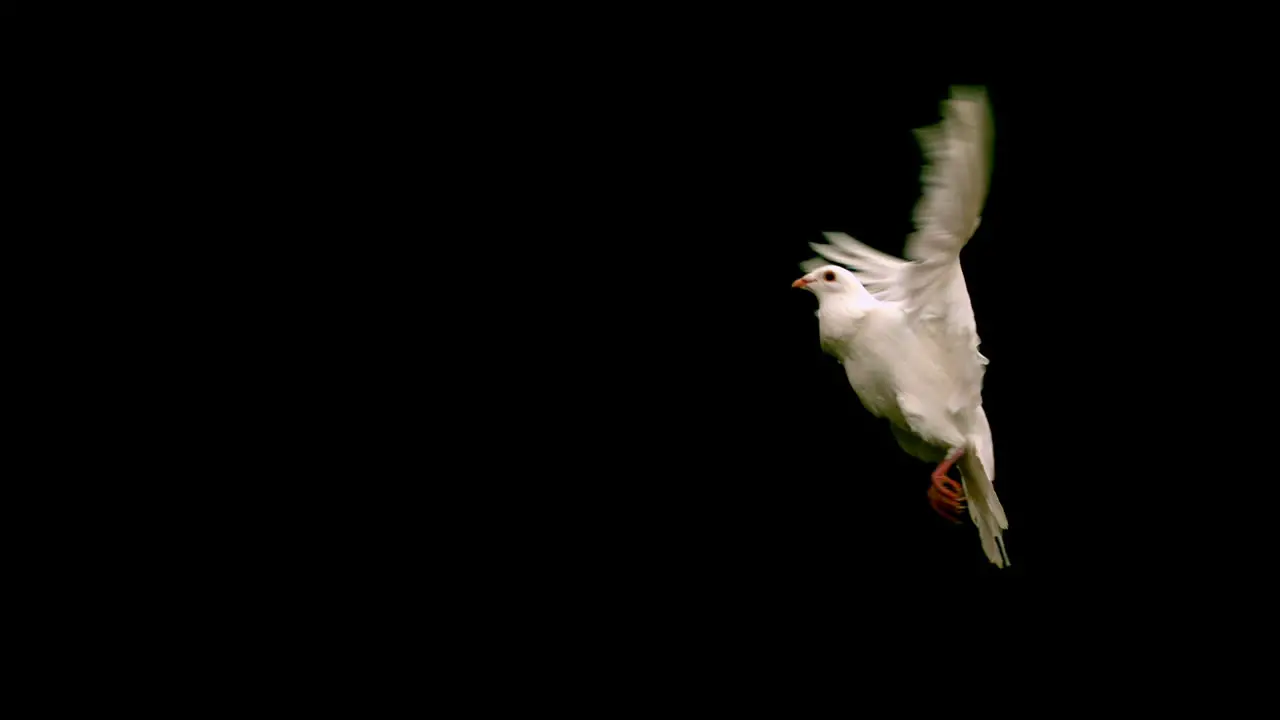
pixel 873 384
pixel 868 348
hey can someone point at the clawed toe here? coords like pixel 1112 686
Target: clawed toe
pixel 946 497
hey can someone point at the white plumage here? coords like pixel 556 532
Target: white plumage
pixel 904 330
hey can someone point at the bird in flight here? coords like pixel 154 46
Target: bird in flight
pixel 904 330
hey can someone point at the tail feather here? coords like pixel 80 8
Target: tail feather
pixel 985 509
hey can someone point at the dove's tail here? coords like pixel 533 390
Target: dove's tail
pixel 977 469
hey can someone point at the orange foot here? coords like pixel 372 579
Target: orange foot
pixel 946 496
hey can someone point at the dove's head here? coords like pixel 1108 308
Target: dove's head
pixel 829 280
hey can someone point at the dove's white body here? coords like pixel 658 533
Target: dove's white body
pixel 894 372
pixel 904 330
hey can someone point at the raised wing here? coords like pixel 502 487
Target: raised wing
pixel 955 180
pixel 956 175
pixel 930 285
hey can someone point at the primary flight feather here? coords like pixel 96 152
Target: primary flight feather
pixel 904 330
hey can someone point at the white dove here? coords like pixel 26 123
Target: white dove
pixel 904 330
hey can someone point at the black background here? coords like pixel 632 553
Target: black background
pixel 545 361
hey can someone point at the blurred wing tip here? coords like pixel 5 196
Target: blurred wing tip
pixel 812 264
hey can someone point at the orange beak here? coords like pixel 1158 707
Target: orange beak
pixel 799 283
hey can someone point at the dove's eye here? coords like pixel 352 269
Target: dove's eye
pixel 829 276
